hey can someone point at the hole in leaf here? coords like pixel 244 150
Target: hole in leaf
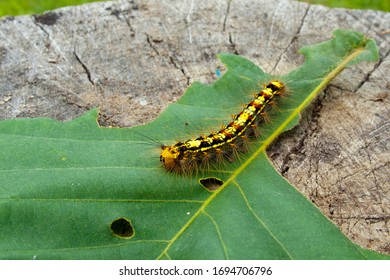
pixel 122 227
pixel 211 184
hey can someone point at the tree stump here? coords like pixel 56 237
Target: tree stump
pixel 132 58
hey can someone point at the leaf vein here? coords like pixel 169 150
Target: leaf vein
pixel 257 217
pixel 218 232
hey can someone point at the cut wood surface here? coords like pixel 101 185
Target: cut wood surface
pixel 132 58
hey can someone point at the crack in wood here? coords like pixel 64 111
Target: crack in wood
pixel 293 40
pixel 311 128
pixel 233 44
pixel 85 67
pixel 226 15
pixel 39 25
pixel 178 66
pixel 171 58
pixel 368 74
pixel 151 45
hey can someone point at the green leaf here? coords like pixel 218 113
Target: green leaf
pixel 70 190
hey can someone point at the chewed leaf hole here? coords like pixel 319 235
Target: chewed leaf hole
pixel 211 184
pixel 122 227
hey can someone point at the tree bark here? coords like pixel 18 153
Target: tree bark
pixel 132 58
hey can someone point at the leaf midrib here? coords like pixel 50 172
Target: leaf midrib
pixel 330 76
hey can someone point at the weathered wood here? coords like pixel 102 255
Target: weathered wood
pixel 132 58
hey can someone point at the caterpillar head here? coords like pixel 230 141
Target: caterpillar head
pixel 169 157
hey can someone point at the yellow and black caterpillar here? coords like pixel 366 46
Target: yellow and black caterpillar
pixel 225 144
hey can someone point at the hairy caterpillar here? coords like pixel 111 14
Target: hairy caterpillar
pixel 225 144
